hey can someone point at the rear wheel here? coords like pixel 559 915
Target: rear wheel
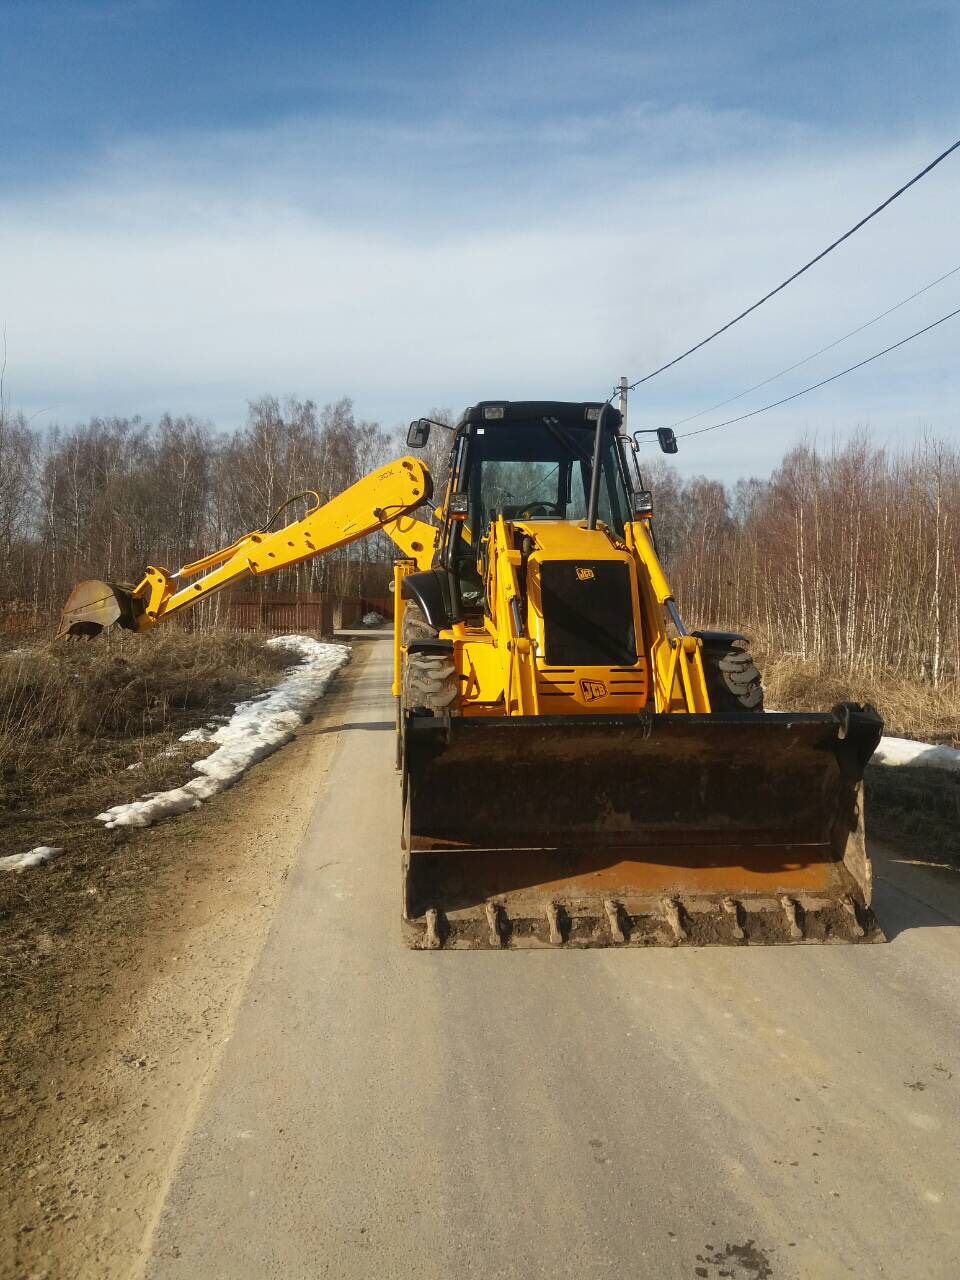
pixel 429 680
pixel 733 680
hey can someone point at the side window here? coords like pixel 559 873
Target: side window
pixel 609 502
pixel 609 506
pixel 579 491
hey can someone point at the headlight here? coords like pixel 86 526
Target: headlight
pixel 642 503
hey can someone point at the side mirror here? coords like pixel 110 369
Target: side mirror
pixel 419 433
pixel 667 440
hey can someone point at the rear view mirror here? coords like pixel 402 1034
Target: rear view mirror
pixel 419 433
pixel 667 440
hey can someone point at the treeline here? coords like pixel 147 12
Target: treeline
pixel 848 556
pixel 108 497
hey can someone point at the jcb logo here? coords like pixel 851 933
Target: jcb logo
pixel 592 690
pixel 584 575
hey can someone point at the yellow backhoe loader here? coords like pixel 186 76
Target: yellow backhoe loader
pixel 577 769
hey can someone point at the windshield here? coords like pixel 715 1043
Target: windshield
pixel 541 471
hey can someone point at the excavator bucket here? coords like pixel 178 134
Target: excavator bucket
pixel 94 605
pixel 668 830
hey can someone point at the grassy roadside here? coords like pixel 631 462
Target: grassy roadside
pixel 74 718
pixel 910 708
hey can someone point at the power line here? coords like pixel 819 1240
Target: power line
pixel 790 279
pixel 833 377
pixel 806 359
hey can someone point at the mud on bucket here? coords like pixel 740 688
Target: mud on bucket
pixel 678 829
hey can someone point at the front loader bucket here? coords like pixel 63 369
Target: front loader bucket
pixel 94 605
pixel 661 830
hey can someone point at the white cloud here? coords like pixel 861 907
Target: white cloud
pixel 411 267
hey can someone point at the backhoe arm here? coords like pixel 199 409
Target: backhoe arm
pixel 380 500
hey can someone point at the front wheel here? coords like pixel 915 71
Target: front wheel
pixel 733 680
pixel 428 678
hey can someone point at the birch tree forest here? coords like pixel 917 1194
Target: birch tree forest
pixel 847 556
pixel 106 498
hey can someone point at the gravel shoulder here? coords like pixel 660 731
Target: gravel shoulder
pixel 119 1010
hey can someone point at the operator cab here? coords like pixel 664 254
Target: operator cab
pixel 533 461
pixel 528 460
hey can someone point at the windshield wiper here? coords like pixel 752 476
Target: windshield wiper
pixel 583 454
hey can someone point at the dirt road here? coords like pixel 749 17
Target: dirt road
pixel 789 1112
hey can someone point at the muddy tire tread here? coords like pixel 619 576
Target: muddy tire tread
pixel 429 681
pixel 733 679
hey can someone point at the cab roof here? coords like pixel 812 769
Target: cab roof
pixel 518 412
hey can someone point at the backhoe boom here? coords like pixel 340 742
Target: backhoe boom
pixel 383 499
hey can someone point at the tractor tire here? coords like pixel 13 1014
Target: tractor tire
pixel 429 682
pixel 733 680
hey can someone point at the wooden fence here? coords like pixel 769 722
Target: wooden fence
pixel 308 611
pixel 276 613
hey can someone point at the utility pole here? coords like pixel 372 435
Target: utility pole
pixel 623 405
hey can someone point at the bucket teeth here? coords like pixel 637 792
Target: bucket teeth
pixel 671 917
pixel 497 923
pixel 432 940
pixel 553 924
pixel 705 921
pixel 613 910
pixel 794 932
pixel 856 928
pixel 731 910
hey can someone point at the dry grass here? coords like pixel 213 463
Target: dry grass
pixel 74 716
pixel 910 708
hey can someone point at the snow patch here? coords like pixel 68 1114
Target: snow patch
pixel 33 858
pixel 254 730
pixel 198 735
pixel 373 619
pixel 918 754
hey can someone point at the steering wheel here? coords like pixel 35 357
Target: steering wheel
pixel 540 509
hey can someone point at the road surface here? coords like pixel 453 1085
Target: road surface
pixel 754 1113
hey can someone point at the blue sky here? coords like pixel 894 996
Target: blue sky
pixel 425 204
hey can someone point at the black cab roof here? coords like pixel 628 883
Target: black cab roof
pixel 566 412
